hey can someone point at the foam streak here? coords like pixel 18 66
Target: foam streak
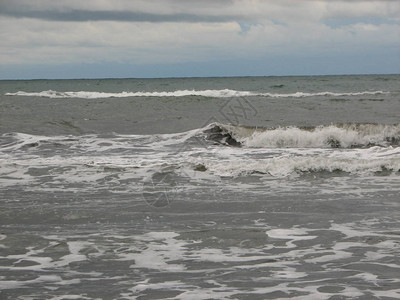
pixel 225 93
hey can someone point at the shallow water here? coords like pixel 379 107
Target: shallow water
pixel 116 189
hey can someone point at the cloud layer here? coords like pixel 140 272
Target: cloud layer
pixel 178 31
pixel 198 11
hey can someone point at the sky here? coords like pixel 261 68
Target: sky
pixel 52 39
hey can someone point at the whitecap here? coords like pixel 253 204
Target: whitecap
pixel 223 93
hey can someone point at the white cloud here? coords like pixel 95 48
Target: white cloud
pixel 362 9
pixel 272 27
pixel 36 41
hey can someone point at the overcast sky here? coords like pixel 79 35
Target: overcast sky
pixel 173 38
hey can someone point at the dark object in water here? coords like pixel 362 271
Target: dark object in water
pixel 200 168
pixel 222 136
pixel 31 145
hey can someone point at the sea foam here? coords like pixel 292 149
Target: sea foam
pixel 348 135
pixel 223 93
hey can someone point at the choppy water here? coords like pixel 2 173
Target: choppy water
pixel 202 188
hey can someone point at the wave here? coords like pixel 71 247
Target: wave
pixel 140 156
pixel 378 161
pixel 346 135
pixel 224 93
pixel 333 136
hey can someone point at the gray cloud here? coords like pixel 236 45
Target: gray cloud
pixel 187 11
pixel 180 31
pixel 123 16
pixel 166 11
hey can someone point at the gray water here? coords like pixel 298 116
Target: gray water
pixel 130 188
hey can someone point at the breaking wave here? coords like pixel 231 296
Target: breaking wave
pixel 286 165
pixel 225 93
pixel 207 153
pixel 350 148
pixel 347 135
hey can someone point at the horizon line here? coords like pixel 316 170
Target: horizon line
pixel 198 77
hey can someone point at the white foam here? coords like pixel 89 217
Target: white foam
pixel 91 169
pixel 13 284
pixel 74 248
pixel 343 136
pixel 224 93
pixel 89 160
pixel 288 273
pixel 293 235
pixel 285 166
pixel 338 255
pixel 183 255
pixel 95 95
pixel 156 250
pixel 44 262
pixel 72 297
pixel 282 266
pixel 393 294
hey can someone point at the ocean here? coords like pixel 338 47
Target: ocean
pixel 200 188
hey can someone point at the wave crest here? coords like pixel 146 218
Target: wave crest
pixel 224 93
pixel 348 135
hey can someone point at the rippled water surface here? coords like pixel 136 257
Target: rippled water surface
pixel 203 188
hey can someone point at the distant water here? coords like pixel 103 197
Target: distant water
pixel 200 188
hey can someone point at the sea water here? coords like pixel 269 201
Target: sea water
pixel 200 188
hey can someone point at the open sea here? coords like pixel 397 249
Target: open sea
pixel 200 188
